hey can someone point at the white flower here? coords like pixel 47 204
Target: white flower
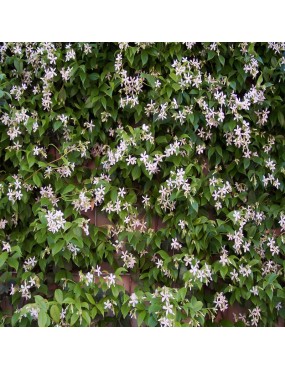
pixel 36 150
pixel 200 148
pixel 221 302
pixel 168 308
pixel 17 184
pixel 122 192
pixel 182 224
pixel 131 160
pixel 213 181
pixel 55 220
pixel 159 263
pixel 236 215
pixel 3 223
pixel 157 83
pixel 62 314
pixel 89 125
pixel 274 249
pixel 165 295
pixel 89 278
pixel 30 263
pixel 82 203
pixel 133 300
pixel 65 74
pixel 218 205
pixel 144 157
pixel 73 249
pixel 255 315
pixel 224 259
pixel 282 222
pixel 13 290
pixel 110 280
pixel 165 322
pixel 254 290
pixel 85 226
pixel 145 200
pixel 32 281
pixel 276 183
pixel 6 247
pixel 175 244
pixel 98 271
pixel 245 271
pixel 34 312
pixel 145 127
pixel 108 305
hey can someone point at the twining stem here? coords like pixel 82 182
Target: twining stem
pixel 55 160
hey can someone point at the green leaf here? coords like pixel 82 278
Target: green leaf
pixel 3 258
pixel 150 79
pixel 57 125
pixel 211 54
pixel 42 318
pixel 130 54
pixel 74 318
pixel 115 291
pixel 211 151
pixel 144 57
pixel 93 312
pixel 176 86
pixel 120 271
pixel 259 80
pixel 161 140
pixel 233 85
pixel 86 317
pixel 114 195
pixel 136 172
pixel 58 295
pixel 104 102
pixel 93 76
pixel 18 65
pixel 271 278
pixel 37 180
pixel 196 305
pixel 195 206
pixel 222 60
pixel 174 77
pixel 281 118
pixel 68 189
pixel 55 313
pixel 68 300
pixel 219 150
pixel 269 292
pixel 101 308
pixel 62 95
pixel 183 292
pixel 13 262
pixel 41 302
pixel 90 298
pixel 57 247
pixel 223 271
pixel 125 309
pixel 164 255
pixel 141 317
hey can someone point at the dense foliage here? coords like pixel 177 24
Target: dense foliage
pixel 181 145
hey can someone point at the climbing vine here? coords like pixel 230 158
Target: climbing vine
pixel 142 184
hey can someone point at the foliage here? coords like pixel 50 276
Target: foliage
pixel 181 145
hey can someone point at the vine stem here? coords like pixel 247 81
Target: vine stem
pixel 55 160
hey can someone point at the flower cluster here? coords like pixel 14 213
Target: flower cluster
pixel 55 220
